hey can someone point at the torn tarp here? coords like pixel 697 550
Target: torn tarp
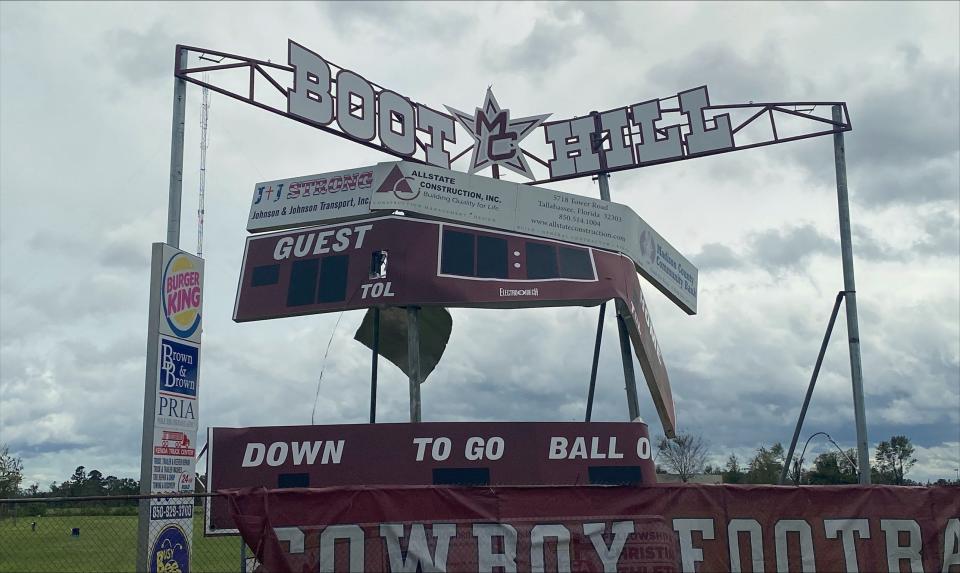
pixel 435 326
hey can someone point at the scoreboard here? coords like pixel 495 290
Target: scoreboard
pixel 399 261
pixel 402 261
pixel 429 453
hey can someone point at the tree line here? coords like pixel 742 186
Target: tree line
pixel 81 483
pixel 687 454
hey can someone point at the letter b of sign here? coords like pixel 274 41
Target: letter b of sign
pixel 310 97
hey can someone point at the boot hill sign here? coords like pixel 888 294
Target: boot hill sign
pixel 342 102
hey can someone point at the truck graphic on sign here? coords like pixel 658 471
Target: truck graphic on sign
pixel 174 440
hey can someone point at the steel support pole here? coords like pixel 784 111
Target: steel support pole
pixel 626 354
pixel 173 239
pixel 813 382
pixel 374 360
pixel 849 285
pixel 596 363
pixel 629 378
pixel 413 360
pixel 176 151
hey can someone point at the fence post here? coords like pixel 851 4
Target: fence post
pixel 243 556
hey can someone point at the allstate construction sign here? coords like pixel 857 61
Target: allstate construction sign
pixel 445 194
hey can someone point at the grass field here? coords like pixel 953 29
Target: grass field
pixel 106 544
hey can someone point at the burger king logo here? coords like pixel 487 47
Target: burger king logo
pixel 181 295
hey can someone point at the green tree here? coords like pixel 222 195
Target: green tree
pixel 765 467
pixel 75 485
pixel 11 473
pixel 733 473
pixel 120 486
pixel 94 484
pixel 832 468
pixel 892 460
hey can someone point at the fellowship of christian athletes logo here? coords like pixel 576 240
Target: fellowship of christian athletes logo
pixel 170 553
pixel 181 295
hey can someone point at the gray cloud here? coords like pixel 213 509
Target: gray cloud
pixel 716 256
pixel 733 77
pixel 397 21
pixel 905 144
pixel 911 116
pixel 942 233
pixel 142 56
pixel 603 21
pixel 792 247
pixel 939 237
pixel 547 44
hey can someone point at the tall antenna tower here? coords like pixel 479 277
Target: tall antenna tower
pixel 204 142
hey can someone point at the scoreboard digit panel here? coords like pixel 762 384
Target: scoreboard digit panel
pixel 429 453
pixel 398 261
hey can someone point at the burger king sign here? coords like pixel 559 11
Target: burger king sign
pixel 170 408
pixel 181 295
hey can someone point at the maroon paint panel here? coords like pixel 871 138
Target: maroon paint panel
pixel 330 268
pixel 425 266
pixel 822 528
pixel 472 453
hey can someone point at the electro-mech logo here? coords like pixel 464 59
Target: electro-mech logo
pixel 170 551
pixel 181 294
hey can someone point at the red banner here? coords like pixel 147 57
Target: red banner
pixel 591 528
pixel 427 453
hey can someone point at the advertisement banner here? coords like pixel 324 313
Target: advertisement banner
pixel 472 199
pixel 170 408
pixel 540 212
pixel 180 304
pixel 430 453
pixel 325 197
pixel 702 528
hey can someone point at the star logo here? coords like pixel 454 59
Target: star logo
pixel 496 136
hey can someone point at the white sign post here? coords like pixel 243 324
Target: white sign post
pixel 170 409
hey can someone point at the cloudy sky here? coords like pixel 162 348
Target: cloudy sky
pixel 85 103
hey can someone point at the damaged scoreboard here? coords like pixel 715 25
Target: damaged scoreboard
pixel 465 241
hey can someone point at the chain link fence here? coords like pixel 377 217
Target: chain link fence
pixel 100 534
